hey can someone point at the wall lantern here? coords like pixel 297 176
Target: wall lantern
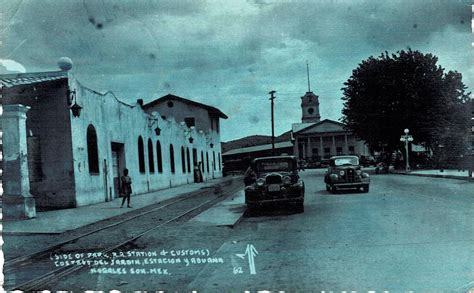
pixel 75 108
pixel 191 139
pixel 157 131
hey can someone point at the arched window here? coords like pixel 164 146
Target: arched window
pixel 158 157
pixel 151 160
pixel 214 160
pixel 188 159
pixel 207 162
pixel 141 155
pixel 202 161
pixel 173 170
pixel 92 150
pixel 183 160
pixel 219 158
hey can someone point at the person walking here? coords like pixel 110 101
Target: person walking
pixel 301 165
pixel 126 188
pixel 249 176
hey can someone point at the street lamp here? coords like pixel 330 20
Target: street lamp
pixel 406 138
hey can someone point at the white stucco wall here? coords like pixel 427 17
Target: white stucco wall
pixel 118 122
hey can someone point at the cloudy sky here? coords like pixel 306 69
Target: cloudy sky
pixel 230 54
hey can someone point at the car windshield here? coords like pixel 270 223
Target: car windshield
pixel 274 165
pixel 346 161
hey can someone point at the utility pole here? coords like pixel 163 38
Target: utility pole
pixel 272 97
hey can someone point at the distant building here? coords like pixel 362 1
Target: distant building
pixel 316 139
pixel 79 140
pixel 324 139
pixel 240 158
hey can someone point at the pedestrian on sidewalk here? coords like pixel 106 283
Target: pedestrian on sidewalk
pixel 301 163
pixel 249 176
pixel 126 187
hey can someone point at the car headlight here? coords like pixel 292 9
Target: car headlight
pixel 358 172
pixel 286 180
pixel 260 182
pixel 342 172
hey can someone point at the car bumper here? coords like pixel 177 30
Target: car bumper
pixel 265 202
pixel 350 184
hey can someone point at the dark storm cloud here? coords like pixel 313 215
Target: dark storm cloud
pixel 336 25
pixel 230 53
pixel 117 33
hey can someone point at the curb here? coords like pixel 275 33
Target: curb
pixel 232 226
pixel 436 176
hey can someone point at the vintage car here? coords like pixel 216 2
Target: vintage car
pixel 367 161
pixel 275 180
pixel 345 172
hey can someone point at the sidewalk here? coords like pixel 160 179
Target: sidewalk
pixel 452 174
pixel 59 221
pixel 228 212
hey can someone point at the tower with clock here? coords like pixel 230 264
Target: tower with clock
pixel 310 105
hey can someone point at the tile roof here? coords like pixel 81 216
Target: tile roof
pixel 168 97
pixel 256 148
pixel 11 80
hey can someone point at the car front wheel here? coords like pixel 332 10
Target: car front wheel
pixel 365 188
pixel 251 211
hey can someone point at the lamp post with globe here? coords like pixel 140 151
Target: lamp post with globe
pixel 406 138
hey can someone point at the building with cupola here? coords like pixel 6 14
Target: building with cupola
pixel 316 139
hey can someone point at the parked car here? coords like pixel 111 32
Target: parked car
pixel 313 165
pixel 276 182
pixel 367 161
pixel 324 163
pixel 345 172
pixel 381 167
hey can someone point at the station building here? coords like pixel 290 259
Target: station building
pixel 66 145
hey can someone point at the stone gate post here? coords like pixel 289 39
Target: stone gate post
pixel 17 200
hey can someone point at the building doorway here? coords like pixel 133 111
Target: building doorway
pixel 196 169
pixel 118 164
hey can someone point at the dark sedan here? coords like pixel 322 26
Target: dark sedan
pixel 276 181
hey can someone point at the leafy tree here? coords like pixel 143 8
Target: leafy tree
pixel 392 92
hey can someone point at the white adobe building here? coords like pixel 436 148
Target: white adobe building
pixel 66 145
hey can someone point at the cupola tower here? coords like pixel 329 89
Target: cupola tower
pixel 310 104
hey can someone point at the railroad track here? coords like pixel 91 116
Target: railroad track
pixel 40 282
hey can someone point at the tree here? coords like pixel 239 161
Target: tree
pixel 387 94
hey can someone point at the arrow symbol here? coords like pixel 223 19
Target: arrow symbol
pixel 251 252
pixel 241 255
